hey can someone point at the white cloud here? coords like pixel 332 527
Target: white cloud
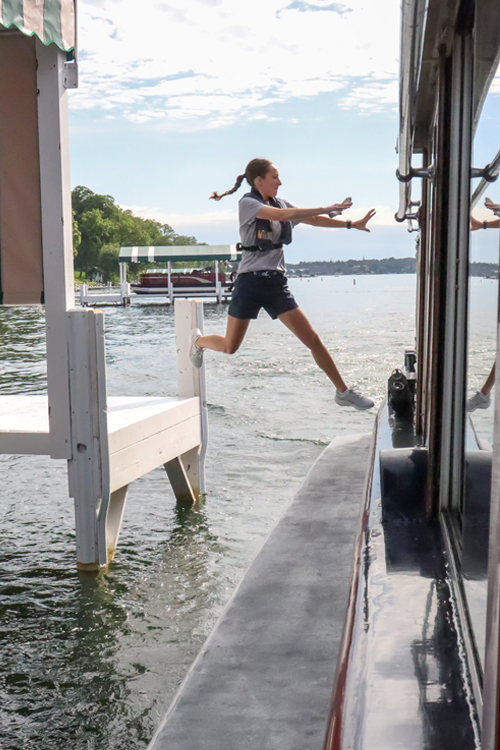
pixel 213 62
pixel 372 97
pixel 184 222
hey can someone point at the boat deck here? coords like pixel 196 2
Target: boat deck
pixel 264 677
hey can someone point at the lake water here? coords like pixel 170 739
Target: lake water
pixel 92 662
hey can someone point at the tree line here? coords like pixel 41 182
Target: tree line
pixel 354 267
pixel 375 266
pixel 100 228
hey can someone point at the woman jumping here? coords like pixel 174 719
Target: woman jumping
pixel 265 226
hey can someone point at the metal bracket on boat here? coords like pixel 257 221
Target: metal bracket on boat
pixel 404 212
pixel 425 173
pixel 70 75
pixel 412 216
pixel 487 173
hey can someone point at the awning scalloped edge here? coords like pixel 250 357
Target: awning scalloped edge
pixel 52 21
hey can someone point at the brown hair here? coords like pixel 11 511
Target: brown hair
pixel 255 168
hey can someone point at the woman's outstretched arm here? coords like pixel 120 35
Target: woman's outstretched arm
pixel 324 221
pixel 300 214
pixel 476 224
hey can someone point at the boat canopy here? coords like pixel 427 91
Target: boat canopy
pixel 163 253
pixel 53 21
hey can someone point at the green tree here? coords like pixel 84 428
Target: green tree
pixel 101 223
pixel 169 237
pixel 96 231
pixel 77 235
pixel 108 262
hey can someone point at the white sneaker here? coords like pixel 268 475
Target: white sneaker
pixel 352 398
pixel 479 400
pixel 195 354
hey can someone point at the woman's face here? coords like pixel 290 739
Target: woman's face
pixel 268 185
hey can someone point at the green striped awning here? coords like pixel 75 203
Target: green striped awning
pixel 51 20
pixel 164 253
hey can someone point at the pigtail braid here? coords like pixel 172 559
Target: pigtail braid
pixel 255 168
pixel 216 197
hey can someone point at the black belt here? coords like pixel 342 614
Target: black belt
pixel 254 248
pixel 267 274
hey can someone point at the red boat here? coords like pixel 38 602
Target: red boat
pixel 155 280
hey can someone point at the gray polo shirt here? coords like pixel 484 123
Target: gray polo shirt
pixel 258 260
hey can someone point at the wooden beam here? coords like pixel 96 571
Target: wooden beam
pixel 192 381
pixel 116 510
pixel 180 481
pixel 57 238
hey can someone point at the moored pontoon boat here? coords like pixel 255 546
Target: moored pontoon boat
pixel 158 280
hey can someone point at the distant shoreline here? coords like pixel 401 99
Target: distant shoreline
pixel 374 267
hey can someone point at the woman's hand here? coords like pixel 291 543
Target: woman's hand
pixel 475 223
pixel 492 206
pixel 361 223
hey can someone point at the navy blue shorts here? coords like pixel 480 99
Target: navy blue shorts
pixel 267 289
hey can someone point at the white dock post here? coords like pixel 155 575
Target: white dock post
pixel 124 285
pixel 218 285
pixel 57 239
pixel 170 285
pixel 190 382
pixel 84 290
pixel 88 470
pixel 125 293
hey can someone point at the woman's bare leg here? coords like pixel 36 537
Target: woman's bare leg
pixel 235 333
pixel 298 324
pixel 490 380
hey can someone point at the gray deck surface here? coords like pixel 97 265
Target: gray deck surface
pixel 263 679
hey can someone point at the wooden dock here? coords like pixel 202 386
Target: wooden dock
pixel 107 443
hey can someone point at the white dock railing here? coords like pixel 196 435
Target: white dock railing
pixel 104 296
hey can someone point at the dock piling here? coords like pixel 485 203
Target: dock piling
pixel 88 469
pixel 191 382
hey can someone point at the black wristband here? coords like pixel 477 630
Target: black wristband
pixel 485 225
pixel 348 224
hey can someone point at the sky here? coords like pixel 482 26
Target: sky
pixel 177 97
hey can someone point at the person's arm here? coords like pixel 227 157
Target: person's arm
pixel 299 214
pixel 324 221
pixel 475 224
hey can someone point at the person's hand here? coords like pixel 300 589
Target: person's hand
pixel 361 223
pixel 337 208
pixel 475 223
pixel 492 206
